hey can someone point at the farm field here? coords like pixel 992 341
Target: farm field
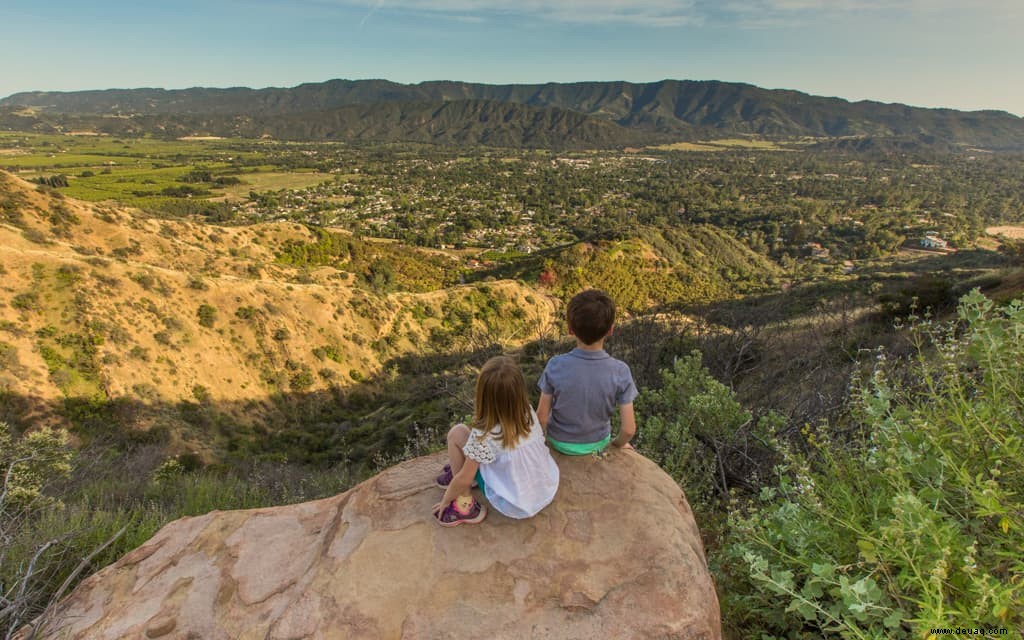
pixel 1006 230
pixel 150 173
pixel 262 181
pixel 722 145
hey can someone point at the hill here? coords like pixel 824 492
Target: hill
pixel 106 312
pixel 278 338
pixel 653 268
pixel 670 109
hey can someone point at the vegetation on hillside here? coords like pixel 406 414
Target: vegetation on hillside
pixel 381 266
pixel 900 516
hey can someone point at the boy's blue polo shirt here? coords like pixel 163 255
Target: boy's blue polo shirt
pixel 586 387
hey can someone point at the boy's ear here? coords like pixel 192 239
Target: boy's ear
pixel 611 330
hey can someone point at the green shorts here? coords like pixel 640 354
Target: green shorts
pixel 480 481
pixel 578 448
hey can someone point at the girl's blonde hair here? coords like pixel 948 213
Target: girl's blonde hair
pixel 501 400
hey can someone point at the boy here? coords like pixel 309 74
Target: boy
pixel 580 389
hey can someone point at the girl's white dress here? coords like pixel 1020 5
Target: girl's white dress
pixel 518 482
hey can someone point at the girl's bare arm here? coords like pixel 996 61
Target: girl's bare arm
pixel 544 410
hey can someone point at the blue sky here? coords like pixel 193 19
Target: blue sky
pixel 965 55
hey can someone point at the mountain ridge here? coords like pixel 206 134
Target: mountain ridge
pixel 669 109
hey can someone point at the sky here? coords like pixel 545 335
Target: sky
pixel 966 54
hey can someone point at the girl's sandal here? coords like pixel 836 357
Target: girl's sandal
pixel 454 514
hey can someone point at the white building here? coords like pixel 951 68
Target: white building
pixel 933 242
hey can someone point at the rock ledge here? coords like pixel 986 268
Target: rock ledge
pixel 616 555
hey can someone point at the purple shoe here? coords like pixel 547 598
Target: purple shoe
pixel 453 515
pixel 445 478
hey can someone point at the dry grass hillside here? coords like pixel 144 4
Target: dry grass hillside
pixel 99 303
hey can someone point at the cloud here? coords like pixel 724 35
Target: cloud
pixel 656 13
pixel 767 7
pixel 672 13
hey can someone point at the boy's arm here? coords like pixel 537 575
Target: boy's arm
pixel 544 410
pixel 627 426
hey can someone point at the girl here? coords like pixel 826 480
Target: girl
pixel 504 452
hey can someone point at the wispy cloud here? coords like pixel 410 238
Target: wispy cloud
pixel 779 13
pixel 656 13
pixel 374 9
pixel 672 13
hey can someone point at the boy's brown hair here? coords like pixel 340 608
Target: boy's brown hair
pixel 591 314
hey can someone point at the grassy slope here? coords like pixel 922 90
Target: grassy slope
pixel 105 304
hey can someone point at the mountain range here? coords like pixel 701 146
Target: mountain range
pixel 582 114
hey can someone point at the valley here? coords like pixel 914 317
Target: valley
pixel 225 323
pixel 220 296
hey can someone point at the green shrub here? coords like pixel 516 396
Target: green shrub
pixel 246 312
pixel 917 520
pixel 145 280
pixel 139 352
pixel 28 301
pixel 302 380
pixel 27 464
pixel 200 393
pixel 695 429
pixel 207 315
pixel 8 356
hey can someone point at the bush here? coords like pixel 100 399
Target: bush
pixel 695 429
pixel 54 181
pixel 302 380
pixel 28 301
pixel 207 315
pixel 246 312
pixel 27 464
pixel 914 522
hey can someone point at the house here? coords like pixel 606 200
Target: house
pixel 816 250
pixel 933 242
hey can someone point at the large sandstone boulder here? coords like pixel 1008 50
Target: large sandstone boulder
pixel 616 555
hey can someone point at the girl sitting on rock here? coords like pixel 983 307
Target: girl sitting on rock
pixel 503 452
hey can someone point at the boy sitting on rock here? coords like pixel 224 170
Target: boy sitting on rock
pixel 581 389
